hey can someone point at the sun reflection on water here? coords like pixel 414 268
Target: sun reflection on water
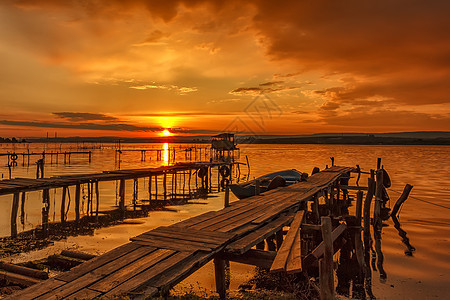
pixel 166 154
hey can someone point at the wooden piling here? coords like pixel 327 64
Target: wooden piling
pixel 63 205
pixel 227 196
pixel 22 209
pixel 45 211
pixel 97 198
pixel 220 276
pixel 165 185
pixel 122 197
pixel 326 264
pixel 257 187
pixel 14 210
pixel 77 202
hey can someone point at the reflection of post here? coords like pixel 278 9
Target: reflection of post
pixel 397 225
pixel 377 222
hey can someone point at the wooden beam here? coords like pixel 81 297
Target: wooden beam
pixel 254 257
pixel 280 261
pixel 14 211
pixel 318 252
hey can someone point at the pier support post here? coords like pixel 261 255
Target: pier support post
pixel 366 235
pixel 63 205
pixel 220 276
pixel 122 198
pixel 45 210
pixel 164 185
pixel 14 210
pixel 97 198
pixel 77 202
pixel 227 196
pixel 326 264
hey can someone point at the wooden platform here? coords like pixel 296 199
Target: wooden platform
pixel 156 260
pixel 16 185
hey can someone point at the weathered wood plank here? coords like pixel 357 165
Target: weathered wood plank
pixel 294 260
pixel 98 262
pixel 36 290
pixel 254 257
pixel 156 272
pixel 245 243
pixel 167 243
pixel 279 264
pixel 125 273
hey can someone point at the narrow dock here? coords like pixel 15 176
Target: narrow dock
pixel 156 260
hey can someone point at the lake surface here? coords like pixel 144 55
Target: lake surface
pixel 426 275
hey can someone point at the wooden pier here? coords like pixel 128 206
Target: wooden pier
pixel 187 179
pixel 156 260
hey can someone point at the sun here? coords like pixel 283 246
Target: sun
pixel 166 132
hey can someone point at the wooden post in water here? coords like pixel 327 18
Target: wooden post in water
pixel 97 198
pixel 150 188
pixel 22 209
pixel 45 211
pixel 220 276
pixel 14 210
pixel 77 202
pixel 122 197
pixel 63 205
pixel 326 264
pixel 227 196
pixel 366 235
pixel 165 185
pixel 257 187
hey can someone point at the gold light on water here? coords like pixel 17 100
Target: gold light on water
pixel 166 154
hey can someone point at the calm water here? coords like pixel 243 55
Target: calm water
pixel 424 167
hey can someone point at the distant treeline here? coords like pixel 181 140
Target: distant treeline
pixel 11 140
pixel 356 140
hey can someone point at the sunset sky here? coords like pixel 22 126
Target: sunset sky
pixel 132 68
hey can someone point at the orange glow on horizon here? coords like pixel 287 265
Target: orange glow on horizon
pixel 166 132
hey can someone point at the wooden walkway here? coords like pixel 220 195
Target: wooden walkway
pixel 156 260
pixel 11 186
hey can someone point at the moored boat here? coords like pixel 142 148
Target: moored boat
pixel 267 182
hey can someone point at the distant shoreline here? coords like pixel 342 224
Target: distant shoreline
pixel 355 140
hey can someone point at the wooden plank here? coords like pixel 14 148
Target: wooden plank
pixel 85 294
pixel 98 262
pixel 18 278
pixel 245 243
pixel 127 272
pixel 167 243
pixel 208 236
pixel 254 257
pixel 36 290
pixel 87 279
pixel 177 238
pixel 143 279
pixel 279 264
pixel 294 261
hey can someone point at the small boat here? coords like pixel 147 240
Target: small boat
pixel 267 182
